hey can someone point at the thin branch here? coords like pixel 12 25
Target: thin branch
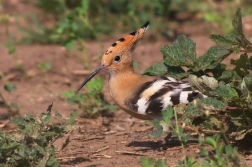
pixel 102 149
pixel 92 138
pixel 130 153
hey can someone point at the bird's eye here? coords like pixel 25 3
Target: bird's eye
pixel 117 58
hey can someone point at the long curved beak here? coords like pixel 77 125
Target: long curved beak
pixel 99 69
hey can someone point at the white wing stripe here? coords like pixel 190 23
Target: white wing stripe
pixel 142 106
pixel 167 100
pixel 184 97
pixel 153 89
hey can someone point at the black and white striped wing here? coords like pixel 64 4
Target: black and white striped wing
pixel 155 96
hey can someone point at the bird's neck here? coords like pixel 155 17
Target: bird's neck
pixel 120 71
pixel 121 76
pixel 124 83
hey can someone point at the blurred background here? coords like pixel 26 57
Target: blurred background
pixel 49 46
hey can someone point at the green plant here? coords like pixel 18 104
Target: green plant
pixel 45 66
pixel 10 44
pixel 168 115
pixel 228 105
pixel 215 154
pixel 150 162
pixel 72 28
pixel 12 107
pixel 228 90
pixel 92 102
pixel 79 20
pixel 54 6
pixel 75 21
pixel 32 143
pixel 224 155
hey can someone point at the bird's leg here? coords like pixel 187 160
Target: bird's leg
pixel 143 133
pixel 167 140
pixel 149 131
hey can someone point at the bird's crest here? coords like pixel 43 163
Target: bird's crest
pixel 127 42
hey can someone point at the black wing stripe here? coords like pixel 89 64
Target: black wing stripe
pixel 132 102
pixel 190 97
pixel 187 89
pixel 175 99
pixel 155 105
pixel 160 93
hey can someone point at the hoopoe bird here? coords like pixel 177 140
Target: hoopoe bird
pixel 143 97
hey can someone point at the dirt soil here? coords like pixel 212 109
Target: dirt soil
pixel 117 141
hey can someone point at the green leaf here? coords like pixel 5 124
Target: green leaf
pixel 218 70
pixel 58 115
pixel 159 128
pixel 181 53
pixel 43 161
pixel 10 47
pixel 212 58
pixel 147 162
pixel 210 141
pixel 9 87
pixel 70 45
pixel 46 118
pixel 226 92
pixel 161 163
pixel 179 109
pixel 158 69
pixel 228 149
pixel 168 115
pixel 180 130
pixel 191 162
pixel 95 85
pixel 69 93
pixel 186 137
pixel 242 132
pixel 248 79
pixel 236 37
pixel 72 118
pixel 203 83
pixel 237 21
pixel 226 75
pixel 233 38
pixel 45 66
pixel 212 104
pixel 19 121
pixel 175 134
pixel 231 77
pixel 246 95
pixel 52 159
pixel 162 69
pixel 203 152
pixel 111 107
pixel 241 65
pixel 210 16
pixel 190 114
pixel 176 72
pixel 237 118
pixel 250 63
pixel 32 143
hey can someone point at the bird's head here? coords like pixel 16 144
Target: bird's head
pixel 118 56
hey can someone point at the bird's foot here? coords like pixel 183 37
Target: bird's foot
pixel 138 136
